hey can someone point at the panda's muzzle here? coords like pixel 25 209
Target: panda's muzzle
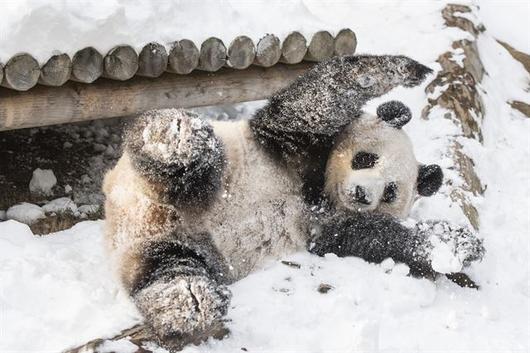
pixel 360 196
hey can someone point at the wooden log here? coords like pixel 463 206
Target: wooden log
pixel 345 42
pixel 241 53
pixel 56 71
pixel 21 72
pixel 294 48
pixel 105 98
pixel 121 63
pixel 321 47
pixel 268 51
pixel 152 61
pixel 87 65
pixel 183 57
pixel 213 55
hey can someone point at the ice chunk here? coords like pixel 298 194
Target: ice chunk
pixel 26 213
pixel 443 259
pixel 42 182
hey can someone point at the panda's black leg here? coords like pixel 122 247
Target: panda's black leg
pixel 375 237
pixel 180 295
pixel 179 152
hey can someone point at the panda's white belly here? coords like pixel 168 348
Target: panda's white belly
pixel 259 213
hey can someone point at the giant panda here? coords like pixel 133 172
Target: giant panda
pixel 193 206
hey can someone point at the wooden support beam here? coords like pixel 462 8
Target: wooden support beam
pixel 74 102
pixel 345 42
pixel 213 55
pixel 241 53
pixel 152 61
pixel 321 47
pixel 268 51
pixel 183 57
pixel 1 72
pixel 121 63
pixel 87 65
pixel 56 71
pixel 21 72
pixel 294 48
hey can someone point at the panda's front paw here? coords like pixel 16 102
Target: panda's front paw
pixel 452 247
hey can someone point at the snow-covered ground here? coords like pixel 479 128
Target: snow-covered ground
pixel 58 291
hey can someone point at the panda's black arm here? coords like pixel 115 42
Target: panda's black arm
pixel 178 153
pixel 375 237
pixel 180 294
pixel 309 113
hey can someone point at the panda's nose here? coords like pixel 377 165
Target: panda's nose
pixel 360 195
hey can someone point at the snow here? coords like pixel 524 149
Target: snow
pixel 42 181
pixel 507 20
pixel 57 291
pixel 60 289
pixel 25 213
pixel 60 205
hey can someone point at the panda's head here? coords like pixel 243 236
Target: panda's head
pixel 372 166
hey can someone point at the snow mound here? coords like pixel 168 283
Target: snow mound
pixel 60 205
pixel 58 290
pixel 26 213
pixel 42 182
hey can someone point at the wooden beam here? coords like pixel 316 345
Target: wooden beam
pixel 74 102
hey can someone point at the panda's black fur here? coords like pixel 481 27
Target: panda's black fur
pixel 177 275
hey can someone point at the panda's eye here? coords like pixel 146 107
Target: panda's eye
pixel 364 160
pixel 390 193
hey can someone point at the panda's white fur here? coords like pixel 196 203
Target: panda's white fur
pixel 396 163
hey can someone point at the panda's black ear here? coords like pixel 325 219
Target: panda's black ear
pixel 394 113
pixel 430 179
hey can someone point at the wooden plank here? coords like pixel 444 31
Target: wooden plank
pixel 183 57
pixel 152 61
pixel 294 47
pixel 345 42
pixel 21 72
pixel 268 51
pixel 213 55
pixel 56 71
pixel 241 53
pixel 121 63
pixel 87 65
pixel 321 47
pixel 106 98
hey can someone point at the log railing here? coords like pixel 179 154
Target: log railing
pixel 93 86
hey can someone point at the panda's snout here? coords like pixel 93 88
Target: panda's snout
pixel 360 196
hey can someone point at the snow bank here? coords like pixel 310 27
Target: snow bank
pixel 26 213
pixel 57 291
pixel 44 27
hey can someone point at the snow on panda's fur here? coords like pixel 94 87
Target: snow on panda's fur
pixel 192 206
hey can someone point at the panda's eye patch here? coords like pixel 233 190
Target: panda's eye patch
pixel 390 193
pixel 363 160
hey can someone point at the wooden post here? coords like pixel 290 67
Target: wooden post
pixel 183 57
pixel 241 53
pixel 87 65
pixel 121 63
pixel 213 55
pixel 1 72
pixel 345 42
pixel 321 47
pixel 268 51
pixel 56 71
pixel 105 98
pixel 21 72
pixel 294 48
pixel 152 61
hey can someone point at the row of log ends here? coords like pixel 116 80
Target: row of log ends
pixel 22 71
